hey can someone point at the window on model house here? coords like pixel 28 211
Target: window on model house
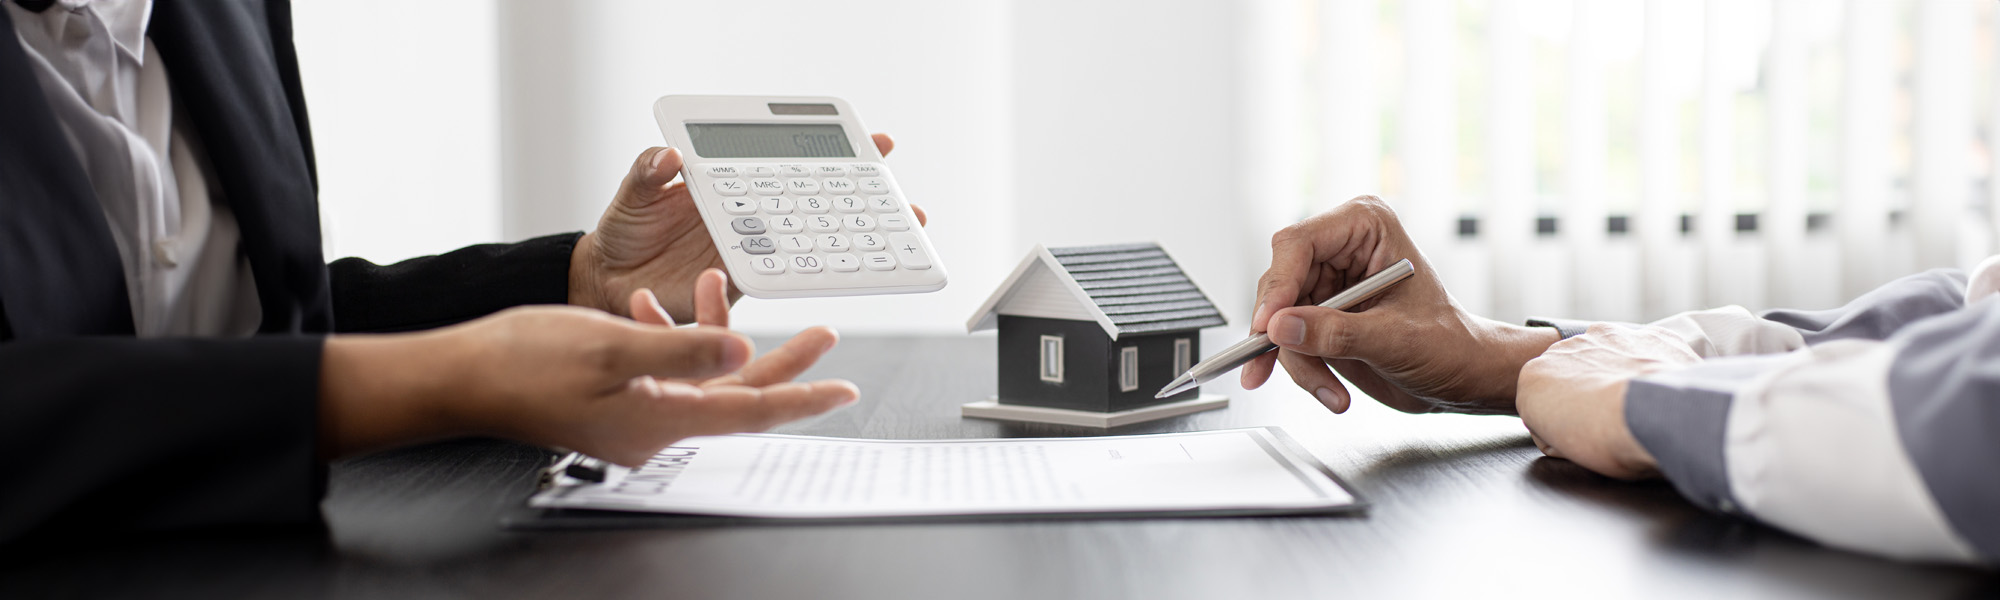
pixel 1052 358
pixel 1128 368
pixel 1183 355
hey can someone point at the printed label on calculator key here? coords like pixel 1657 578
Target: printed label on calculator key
pixel 723 171
pixel 815 205
pixel 869 242
pixel 747 225
pixel 731 187
pixel 788 224
pixel 878 261
pixel 849 204
pixel 858 223
pixel 777 206
pixel 908 251
pixel 802 186
pixel 838 186
pixel 875 185
pixel 795 243
pixel 739 206
pixel 884 204
pixel 833 242
pixel 865 170
pixel 759 245
pixel 766 187
pixel 845 263
pixel 806 263
pixel 830 171
pixel 794 171
pixel 895 223
pixel 768 265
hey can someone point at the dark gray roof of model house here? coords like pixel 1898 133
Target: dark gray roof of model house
pixel 1126 288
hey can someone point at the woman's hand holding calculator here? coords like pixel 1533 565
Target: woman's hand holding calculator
pixel 653 237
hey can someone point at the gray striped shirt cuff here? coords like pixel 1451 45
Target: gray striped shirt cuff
pixel 1568 328
pixel 1681 417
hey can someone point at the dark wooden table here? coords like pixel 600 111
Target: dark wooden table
pixel 1462 507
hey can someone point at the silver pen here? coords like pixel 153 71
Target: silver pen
pixel 1243 352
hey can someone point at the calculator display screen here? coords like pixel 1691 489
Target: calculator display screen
pixel 769 140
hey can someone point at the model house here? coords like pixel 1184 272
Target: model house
pixel 1097 329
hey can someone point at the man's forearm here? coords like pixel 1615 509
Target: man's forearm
pixel 1506 347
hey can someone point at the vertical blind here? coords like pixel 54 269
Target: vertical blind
pixel 1627 159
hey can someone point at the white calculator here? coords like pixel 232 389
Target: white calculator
pixel 796 197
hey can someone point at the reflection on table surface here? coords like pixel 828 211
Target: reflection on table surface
pixel 1461 506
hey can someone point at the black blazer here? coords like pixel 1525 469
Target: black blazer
pixel 105 432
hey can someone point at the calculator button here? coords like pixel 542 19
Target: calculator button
pixel 795 171
pixel 895 223
pixel 823 223
pixel 884 204
pixel 869 242
pixel 788 224
pixel 878 261
pixel 845 263
pixel 802 186
pixel 838 186
pixel 759 245
pixel 815 205
pixel 866 170
pixel 768 265
pixel 834 242
pixel 807 263
pixel 909 252
pixel 723 172
pixel 777 206
pixel 760 171
pixel 830 171
pixel 747 225
pixel 795 243
pixel 765 187
pixel 739 206
pixel 731 187
pixel 858 223
pixel 875 185
pixel 850 204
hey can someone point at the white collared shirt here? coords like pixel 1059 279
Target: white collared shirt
pixel 109 89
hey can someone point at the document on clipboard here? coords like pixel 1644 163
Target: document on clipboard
pixel 762 476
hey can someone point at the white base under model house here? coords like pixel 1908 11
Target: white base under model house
pixel 1095 331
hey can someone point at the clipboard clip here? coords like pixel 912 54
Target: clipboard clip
pixel 573 465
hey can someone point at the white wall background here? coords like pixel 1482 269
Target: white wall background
pixel 404 121
pixel 1130 126
pixel 462 122
pixel 1207 125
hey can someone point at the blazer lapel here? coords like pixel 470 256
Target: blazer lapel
pixel 233 72
pixel 60 273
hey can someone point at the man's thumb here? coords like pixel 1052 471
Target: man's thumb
pixel 1325 332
